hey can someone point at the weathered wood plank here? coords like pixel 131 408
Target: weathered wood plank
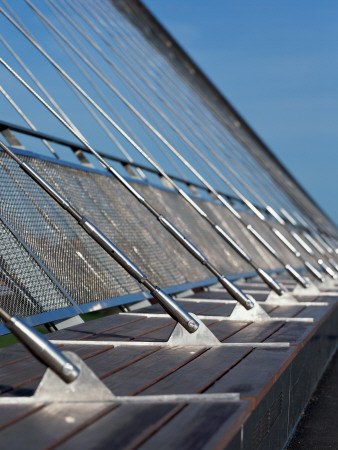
pixel 202 426
pixel 317 312
pixel 85 330
pixel 286 311
pixel 137 377
pixel 196 308
pixel 123 427
pixel 131 426
pixel 12 354
pixel 16 375
pixel 212 309
pixel 134 330
pixel 255 374
pixel 219 295
pixel 292 332
pixel 224 329
pixel 255 332
pixel 118 359
pixel 200 373
pixel 50 424
pixel 10 414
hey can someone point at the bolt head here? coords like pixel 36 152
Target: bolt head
pixel 192 325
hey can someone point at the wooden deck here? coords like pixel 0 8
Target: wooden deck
pixel 274 383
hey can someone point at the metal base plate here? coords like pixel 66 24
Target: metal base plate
pixel 255 314
pixel 286 299
pixel 88 385
pixel 203 336
pixel 312 290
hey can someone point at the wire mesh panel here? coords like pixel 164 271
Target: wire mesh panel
pixel 246 239
pixel 196 229
pixel 86 272
pixel 25 289
pixel 125 222
pixel 81 266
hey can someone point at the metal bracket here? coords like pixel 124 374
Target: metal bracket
pixel 314 289
pixel 286 299
pixel 331 284
pixel 311 290
pixel 203 336
pixel 255 314
pixel 87 385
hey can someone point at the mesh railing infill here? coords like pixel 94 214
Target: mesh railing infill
pixel 25 289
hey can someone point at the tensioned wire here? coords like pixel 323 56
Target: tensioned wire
pixel 96 29
pixel 97 70
pixel 226 283
pixel 201 121
pixel 115 113
pixel 261 240
pixel 242 198
pixel 141 117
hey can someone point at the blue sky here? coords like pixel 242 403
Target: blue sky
pixel 276 61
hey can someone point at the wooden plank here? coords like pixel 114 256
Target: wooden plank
pixel 167 426
pixel 158 369
pixel 200 373
pixel 85 330
pixel 123 427
pixel 17 352
pixel 196 308
pixel 287 311
pixel 260 297
pixel 102 363
pixel 50 424
pixel 200 426
pixel 12 354
pixel 212 309
pixel 255 332
pixel 225 329
pixel 255 374
pixel 137 377
pixel 85 351
pixel 293 332
pixel 299 335
pixel 115 360
pixel 25 371
pixel 219 295
pixel 10 414
pixel 317 312
pixel 134 330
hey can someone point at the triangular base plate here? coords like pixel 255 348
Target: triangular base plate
pixel 87 387
pixel 203 336
pixel 311 290
pixel 330 284
pixel 255 314
pixel 287 298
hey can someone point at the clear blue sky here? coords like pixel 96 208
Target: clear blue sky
pixel 276 61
